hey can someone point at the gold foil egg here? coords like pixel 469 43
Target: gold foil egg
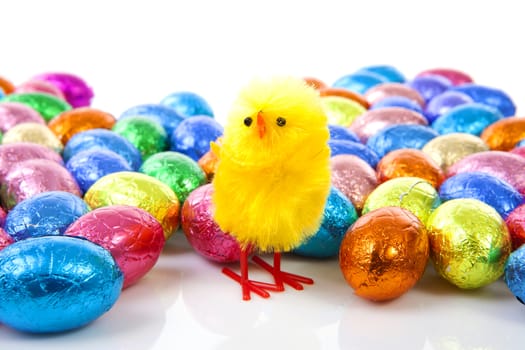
pixel 384 253
pixel 341 110
pixel 469 242
pixel 34 133
pixel 139 190
pixel 68 123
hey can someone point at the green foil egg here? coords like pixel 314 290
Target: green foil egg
pixel 340 110
pixel 47 105
pixel 147 135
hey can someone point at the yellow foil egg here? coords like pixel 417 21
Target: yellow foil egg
pixel 469 242
pixel 412 193
pixel 341 110
pixel 139 190
pixel 33 133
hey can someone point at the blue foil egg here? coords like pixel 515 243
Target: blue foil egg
pixel 489 96
pixel 339 214
pixel 520 144
pixel 441 103
pixel 359 82
pixel 390 73
pixel 193 136
pixel 56 283
pixel 485 187
pixel 103 139
pixel 44 214
pixel 355 148
pixel 188 104
pixel 471 118
pixel 400 136
pixel 339 132
pixel 90 165
pixel 164 115
pixel 397 101
pixel 514 274
pixel 429 86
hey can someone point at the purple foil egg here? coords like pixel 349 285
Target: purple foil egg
pixel 76 91
pixel 13 113
pixel 14 153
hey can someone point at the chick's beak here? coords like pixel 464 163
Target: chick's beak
pixel 261 125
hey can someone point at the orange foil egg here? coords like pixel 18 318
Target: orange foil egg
pixel 341 92
pixel 409 162
pixel 71 122
pixel 6 85
pixel 315 82
pixel 504 134
pixel 384 253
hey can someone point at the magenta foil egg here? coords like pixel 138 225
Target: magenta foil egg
pixel 13 113
pixel 75 90
pixel 202 232
pixel 30 177
pixel 133 236
pixel 504 165
pixel 14 153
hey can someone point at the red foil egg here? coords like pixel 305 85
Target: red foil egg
pixel 67 124
pixel 13 113
pixel 202 232
pixel 133 236
pixel 516 225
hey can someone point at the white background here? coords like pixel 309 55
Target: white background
pixel 134 52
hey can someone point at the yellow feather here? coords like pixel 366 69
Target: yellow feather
pixel 270 191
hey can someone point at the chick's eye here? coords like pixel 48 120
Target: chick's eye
pixel 280 121
pixel 248 121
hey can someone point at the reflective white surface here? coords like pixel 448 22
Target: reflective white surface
pixel 185 302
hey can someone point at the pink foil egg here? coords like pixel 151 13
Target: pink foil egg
pixel 354 177
pixel 372 121
pixel 384 90
pixel 39 86
pixel 456 77
pixel 5 239
pixel 133 236
pixel 504 165
pixel 3 215
pixel 520 151
pixel 202 232
pixel 30 177
pixel 14 153
pixel 75 89
pixel 13 113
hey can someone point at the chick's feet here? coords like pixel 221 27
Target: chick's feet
pixel 281 277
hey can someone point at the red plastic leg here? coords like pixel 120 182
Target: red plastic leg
pixel 282 277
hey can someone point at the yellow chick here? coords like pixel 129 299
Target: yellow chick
pixel 273 174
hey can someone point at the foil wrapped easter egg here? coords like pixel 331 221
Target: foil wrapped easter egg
pixel 188 104
pixel 504 165
pixel 489 96
pixel 354 177
pixel 5 239
pixel 209 162
pixel 75 89
pixel 48 106
pixel 6 85
pixel 90 165
pixel 338 147
pixel 56 284
pixel 469 242
pixel 193 136
pixel 411 193
pixel 455 76
pixel 408 162
pixel 314 82
pixel 470 118
pixel 3 215
pixel 181 173
pixel 442 103
pixel 103 139
pixel 13 113
pixel 31 177
pixel 339 213
pixel 338 132
pixel 514 274
pixel 138 190
pixel 373 121
pixel 429 86
pixel 398 101
pixel 39 86
pixel 400 136
pixel 202 232
pixel 447 149
pixel 390 73
pixel 384 253
pixel 164 115
pixel 516 224
pixel 14 153
pixel 520 151
pixel 133 236
pixel 35 133
pixel 69 123
pixel 359 82
pixel 148 136
pixel 384 90
pixel 504 134
pixel 484 187
pixel 342 92
pixel 44 214
pixel 341 110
